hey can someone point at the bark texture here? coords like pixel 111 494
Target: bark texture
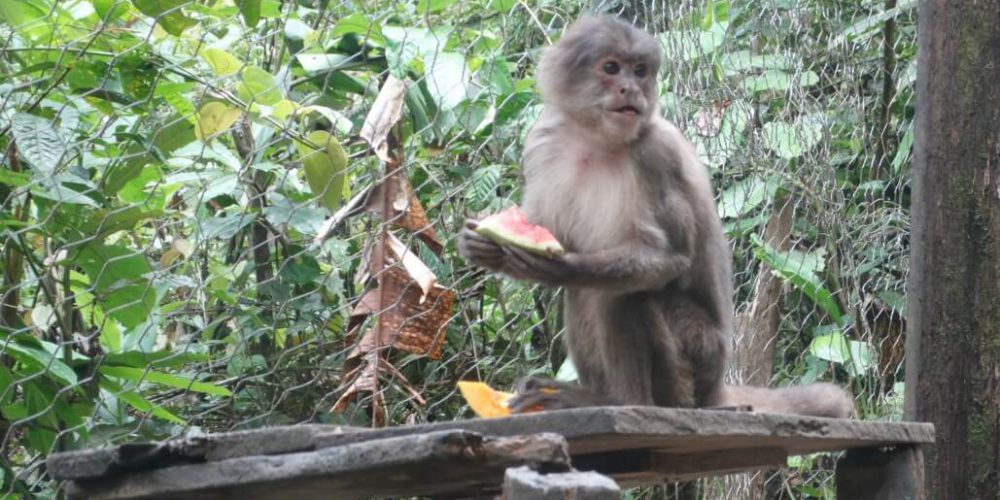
pixel 953 344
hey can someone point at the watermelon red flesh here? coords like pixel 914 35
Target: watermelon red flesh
pixel 511 227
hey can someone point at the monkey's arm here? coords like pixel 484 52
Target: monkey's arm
pixel 626 268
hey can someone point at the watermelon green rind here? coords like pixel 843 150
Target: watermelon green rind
pixel 510 227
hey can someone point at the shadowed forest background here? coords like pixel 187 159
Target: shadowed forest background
pixel 200 233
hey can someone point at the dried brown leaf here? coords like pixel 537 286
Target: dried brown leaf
pixel 385 112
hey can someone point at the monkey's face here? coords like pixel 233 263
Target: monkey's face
pixel 624 99
pixel 602 74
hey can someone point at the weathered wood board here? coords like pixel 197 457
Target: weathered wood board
pixel 633 445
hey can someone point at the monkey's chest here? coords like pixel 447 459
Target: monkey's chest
pixel 587 207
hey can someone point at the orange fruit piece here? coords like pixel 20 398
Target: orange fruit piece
pixel 485 401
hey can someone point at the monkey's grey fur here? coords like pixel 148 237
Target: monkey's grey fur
pixel 647 272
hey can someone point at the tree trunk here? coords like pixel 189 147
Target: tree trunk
pixel 953 342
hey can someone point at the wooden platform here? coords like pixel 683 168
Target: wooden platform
pixel 633 445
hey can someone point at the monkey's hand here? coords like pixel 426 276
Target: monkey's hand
pixel 478 249
pixel 542 394
pixel 557 270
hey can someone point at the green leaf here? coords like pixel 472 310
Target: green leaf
pixel 745 196
pixel 791 140
pixel 37 359
pixel 778 81
pixel 431 6
pixel 483 186
pixel 447 76
pixel 135 400
pixel 110 10
pixel 742 61
pixel 405 45
pixel 155 359
pixel 167 13
pixel 12 178
pixel 800 270
pixel 259 86
pixel 831 347
pixel 325 168
pixel 903 151
pixel 139 375
pixel 120 281
pixel 222 63
pixel 39 142
pixel 358 24
pixel 214 118
pixel 322 63
pixel 693 44
pixel 250 10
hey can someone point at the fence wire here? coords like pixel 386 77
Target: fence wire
pixel 198 235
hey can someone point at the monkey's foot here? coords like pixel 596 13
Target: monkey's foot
pixel 542 394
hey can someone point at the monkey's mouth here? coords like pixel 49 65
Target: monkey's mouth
pixel 628 110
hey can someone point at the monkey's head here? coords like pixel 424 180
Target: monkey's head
pixel 602 73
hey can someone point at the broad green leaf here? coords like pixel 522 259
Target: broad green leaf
pixel 800 270
pixel 135 400
pixel 120 281
pixel 110 10
pixel 321 63
pixel 39 142
pixel 27 17
pixel 37 359
pixel 12 178
pixel 155 377
pixel 325 168
pixel 869 26
pixel 502 6
pixel 430 6
pixel 483 187
pixel 259 86
pixel 168 14
pixel 340 122
pixel 214 118
pixel 447 75
pixel 250 9
pixel 405 45
pixel 778 81
pixel 831 347
pixel 895 300
pixel 222 63
pixel 791 140
pixel 694 44
pixel 745 196
pixel 358 24
pixel 745 60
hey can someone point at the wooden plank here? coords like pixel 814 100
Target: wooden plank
pixel 874 474
pixel 588 430
pixel 212 447
pixel 427 464
pixel 596 429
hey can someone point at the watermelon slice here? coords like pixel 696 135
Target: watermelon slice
pixel 510 227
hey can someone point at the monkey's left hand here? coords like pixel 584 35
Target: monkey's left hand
pixel 556 270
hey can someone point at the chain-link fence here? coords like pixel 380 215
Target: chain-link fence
pixel 233 214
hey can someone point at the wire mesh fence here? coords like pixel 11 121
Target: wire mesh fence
pixel 235 214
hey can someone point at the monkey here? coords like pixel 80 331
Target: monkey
pixel 646 271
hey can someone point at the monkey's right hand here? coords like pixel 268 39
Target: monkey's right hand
pixel 478 249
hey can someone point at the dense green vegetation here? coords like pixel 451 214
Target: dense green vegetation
pixel 170 171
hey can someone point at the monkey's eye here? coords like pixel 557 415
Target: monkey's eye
pixel 640 70
pixel 611 68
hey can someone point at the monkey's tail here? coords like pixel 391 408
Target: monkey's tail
pixel 817 400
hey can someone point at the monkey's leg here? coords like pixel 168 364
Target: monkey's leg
pixel 703 349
